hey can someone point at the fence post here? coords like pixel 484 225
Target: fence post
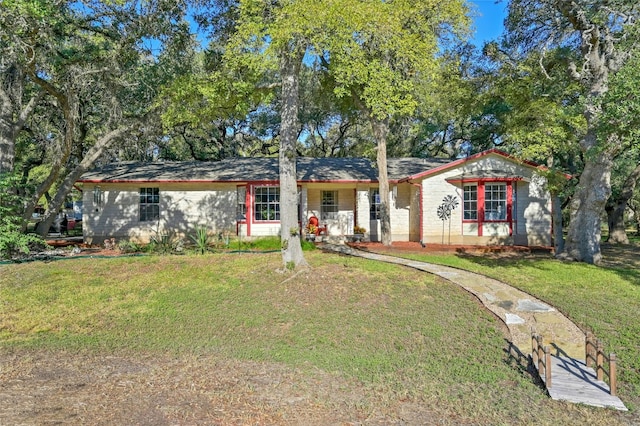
pixel 600 361
pixel 587 352
pixel 540 354
pixel 547 366
pixel 612 375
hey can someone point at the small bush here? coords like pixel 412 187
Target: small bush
pixel 13 242
pixel 202 239
pixel 129 247
pixel 165 243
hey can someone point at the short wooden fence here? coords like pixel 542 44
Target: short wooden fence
pixel 541 357
pixel 595 356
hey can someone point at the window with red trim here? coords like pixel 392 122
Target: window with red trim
pixel 495 201
pixel 267 203
pixel 470 202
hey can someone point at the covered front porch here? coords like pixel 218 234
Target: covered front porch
pixel 348 209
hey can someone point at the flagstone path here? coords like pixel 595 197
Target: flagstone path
pixel 523 314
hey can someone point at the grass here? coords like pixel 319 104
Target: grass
pixel 401 334
pixel 603 300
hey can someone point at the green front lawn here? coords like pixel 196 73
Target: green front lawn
pixel 402 334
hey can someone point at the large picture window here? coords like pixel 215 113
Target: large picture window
pixel 149 204
pixel 267 203
pixel 495 201
pixel 470 202
pixel 374 204
pixel 329 205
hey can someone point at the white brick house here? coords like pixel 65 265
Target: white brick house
pixel 497 199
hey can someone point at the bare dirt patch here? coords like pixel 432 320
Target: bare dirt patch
pixel 64 388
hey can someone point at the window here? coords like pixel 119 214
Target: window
pixel 241 203
pixel 470 207
pixel 495 201
pixel 149 204
pixel 374 204
pixel 97 196
pixel 329 205
pixel 267 203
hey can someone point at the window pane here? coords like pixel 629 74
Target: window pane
pixel 329 205
pixel 374 205
pixel 495 205
pixel 470 202
pixel 149 204
pixel 267 203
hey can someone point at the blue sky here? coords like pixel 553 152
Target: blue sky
pixel 489 20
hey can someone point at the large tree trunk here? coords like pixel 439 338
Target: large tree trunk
pixel 56 203
pixel 7 133
pixel 587 206
pixel 68 104
pixel 380 132
pixel 12 115
pixel 602 54
pixel 292 256
pixel 615 223
pixel 617 207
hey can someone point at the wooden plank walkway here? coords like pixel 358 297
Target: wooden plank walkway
pixel 573 381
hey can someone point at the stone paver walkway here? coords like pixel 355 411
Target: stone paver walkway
pixel 521 312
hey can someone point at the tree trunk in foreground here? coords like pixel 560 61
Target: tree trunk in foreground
pixel 12 117
pixel 587 208
pixel 616 208
pixel 70 179
pixel 292 256
pixel 380 132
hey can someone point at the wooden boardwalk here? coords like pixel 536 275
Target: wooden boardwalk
pixel 573 381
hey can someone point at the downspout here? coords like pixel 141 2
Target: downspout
pixel 420 213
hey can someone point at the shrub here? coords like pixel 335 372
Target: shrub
pixel 13 242
pixel 165 243
pixel 359 230
pixel 202 239
pixel 129 247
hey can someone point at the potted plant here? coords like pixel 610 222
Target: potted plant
pixel 358 233
pixel 311 232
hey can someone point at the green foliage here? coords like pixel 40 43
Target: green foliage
pixel 384 51
pixel 126 246
pixel 539 110
pixel 621 104
pixel 165 242
pixel 14 242
pixel 10 200
pixel 201 238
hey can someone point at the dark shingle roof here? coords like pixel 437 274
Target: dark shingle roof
pixel 258 169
